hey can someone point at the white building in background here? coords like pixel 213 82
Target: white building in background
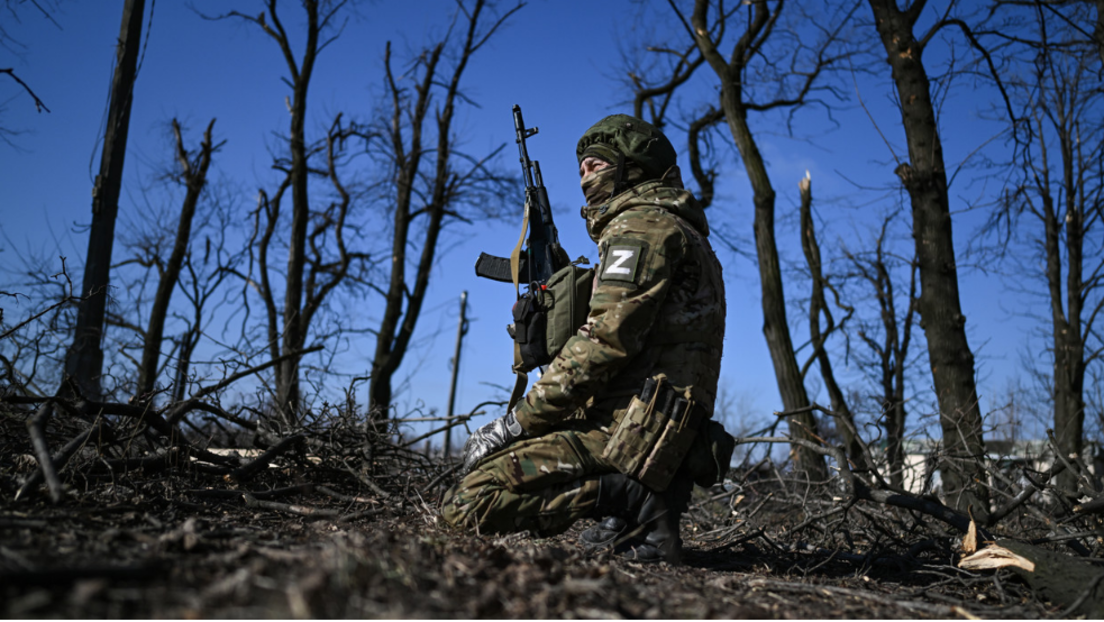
pixel 922 477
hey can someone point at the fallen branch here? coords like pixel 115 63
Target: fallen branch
pixel 51 577
pixel 249 470
pixel 1025 494
pixel 36 427
pixel 340 497
pixel 173 457
pixel 298 510
pixel 1096 506
pixel 62 458
pixel 886 600
pixel 453 421
pixel 200 405
pixel 441 477
pixel 367 482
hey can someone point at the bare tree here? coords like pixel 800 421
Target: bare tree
pixel 1057 206
pixel 431 185
pixel 819 312
pixel 888 339
pixel 193 175
pixel 310 274
pixel 173 258
pixel 327 263
pixel 794 70
pixel 924 177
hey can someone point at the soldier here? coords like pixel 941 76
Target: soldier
pixel 657 310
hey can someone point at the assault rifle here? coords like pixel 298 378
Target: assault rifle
pixel 542 254
pixel 534 265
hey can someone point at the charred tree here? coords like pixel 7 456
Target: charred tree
pixel 764 51
pixel 307 279
pixel 735 105
pixel 819 312
pixel 193 175
pixel 430 182
pixel 924 177
pixel 1061 194
pixel 888 339
pixel 84 360
pixel 294 332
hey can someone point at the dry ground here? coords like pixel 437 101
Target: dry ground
pixel 355 533
pixel 161 549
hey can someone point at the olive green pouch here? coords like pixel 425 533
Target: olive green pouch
pixel 567 300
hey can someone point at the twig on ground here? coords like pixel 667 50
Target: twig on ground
pixel 36 427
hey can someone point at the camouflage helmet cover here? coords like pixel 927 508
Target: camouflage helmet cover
pixel 637 140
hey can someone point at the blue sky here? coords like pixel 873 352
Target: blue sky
pixel 558 59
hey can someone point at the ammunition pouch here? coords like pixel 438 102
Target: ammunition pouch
pixel 656 433
pixel 549 315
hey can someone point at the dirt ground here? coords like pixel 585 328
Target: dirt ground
pixel 350 529
pixel 162 549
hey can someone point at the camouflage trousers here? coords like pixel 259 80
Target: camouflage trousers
pixel 542 484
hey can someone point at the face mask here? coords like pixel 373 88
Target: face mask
pixel 598 187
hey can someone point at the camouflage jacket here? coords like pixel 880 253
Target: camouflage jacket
pixel 658 305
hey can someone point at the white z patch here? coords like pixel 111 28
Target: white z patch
pixel 621 256
pixel 621 263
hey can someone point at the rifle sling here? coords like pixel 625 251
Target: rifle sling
pixel 515 255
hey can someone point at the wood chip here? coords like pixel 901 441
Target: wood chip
pixel 993 556
pixel 969 543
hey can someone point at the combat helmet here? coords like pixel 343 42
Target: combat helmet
pixel 622 136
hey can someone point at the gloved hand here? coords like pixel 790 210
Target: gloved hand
pixel 491 438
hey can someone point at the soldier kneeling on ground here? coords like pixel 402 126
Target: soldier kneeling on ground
pixel 618 428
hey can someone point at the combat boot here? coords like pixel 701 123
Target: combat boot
pixel 646 520
pixel 605 533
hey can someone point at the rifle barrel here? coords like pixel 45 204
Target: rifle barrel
pixel 522 134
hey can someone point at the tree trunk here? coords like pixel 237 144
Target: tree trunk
pixel 195 178
pixel 895 375
pixel 775 328
pixel 944 324
pixel 444 186
pixel 386 360
pixel 898 335
pixel 84 360
pixel 891 352
pixel 1066 335
pixel 295 330
pixel 818 305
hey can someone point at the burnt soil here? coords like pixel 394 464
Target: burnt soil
pixel 327 538
pixel 156 551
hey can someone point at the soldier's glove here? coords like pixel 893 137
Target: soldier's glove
pixel 491 438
